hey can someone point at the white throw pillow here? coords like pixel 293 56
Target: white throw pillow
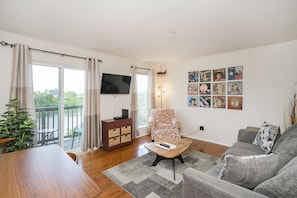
pixel 266 136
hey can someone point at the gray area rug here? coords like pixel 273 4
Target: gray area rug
pixel 140 179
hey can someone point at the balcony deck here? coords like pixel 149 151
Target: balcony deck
pixel 48 122
pixel 68 143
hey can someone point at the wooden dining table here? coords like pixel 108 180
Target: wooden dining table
pixel 45 172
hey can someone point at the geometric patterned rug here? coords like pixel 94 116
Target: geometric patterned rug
pixel 142 180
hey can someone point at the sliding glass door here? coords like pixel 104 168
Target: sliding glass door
pixel 59 95
pixel 142 102
pixel 73 108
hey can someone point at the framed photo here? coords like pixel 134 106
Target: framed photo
pixel 204 89
pixel 235 102
pixel 193 76
pixel 205 76
pixel 205 101
pixel 235 73
pixel 219 88
pixel 192 89
pixel 235 88
pixel 219 74
pixel 192 101
pixel 219 101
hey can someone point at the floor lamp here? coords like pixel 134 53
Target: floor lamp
pixel 160 94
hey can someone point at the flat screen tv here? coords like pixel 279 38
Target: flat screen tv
pixel 115 84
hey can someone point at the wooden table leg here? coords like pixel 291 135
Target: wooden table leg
pixel 160 158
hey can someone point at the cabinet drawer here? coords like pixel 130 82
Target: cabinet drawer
pixel 126 138
pixel 114 141
pixel 113 132
pixel 125 129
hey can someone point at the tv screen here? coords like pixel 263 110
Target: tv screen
pixel 115 84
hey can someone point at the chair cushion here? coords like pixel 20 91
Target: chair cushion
pixel 266 136
pixel 249 171
pixel 166 134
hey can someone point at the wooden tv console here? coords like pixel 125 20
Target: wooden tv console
pixel 116 133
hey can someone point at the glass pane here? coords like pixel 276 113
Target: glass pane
pixel 73 105
pixel 46 94
pixel 142 86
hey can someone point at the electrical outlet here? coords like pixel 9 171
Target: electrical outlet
pixel 201 128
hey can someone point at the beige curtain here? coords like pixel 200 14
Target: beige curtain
pixel 151 95
pixel 134 102
pixel 22 79
pixel 92 132
pixel 134 108
pixel 151 91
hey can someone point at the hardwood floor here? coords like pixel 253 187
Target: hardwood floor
pixel 95 162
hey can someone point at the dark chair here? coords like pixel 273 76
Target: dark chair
pixel 77 132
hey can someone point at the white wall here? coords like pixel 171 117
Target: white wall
pixel 269 74
pixel 110 105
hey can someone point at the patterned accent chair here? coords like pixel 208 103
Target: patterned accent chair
pixel 164 125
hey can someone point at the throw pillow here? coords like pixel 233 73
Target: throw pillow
pixel 283 185
pixel 249 171
pixel 266 136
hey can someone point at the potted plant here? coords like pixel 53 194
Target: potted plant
pixel 290 113
pixel 16 123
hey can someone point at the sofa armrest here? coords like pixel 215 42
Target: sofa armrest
pixel 246 135
pixel 199 184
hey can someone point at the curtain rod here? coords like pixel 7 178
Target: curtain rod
pixel 46 51
pixel 141 68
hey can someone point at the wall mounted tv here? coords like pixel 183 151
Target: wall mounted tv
pixel 115 84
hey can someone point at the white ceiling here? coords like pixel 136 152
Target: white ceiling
pixel 153 30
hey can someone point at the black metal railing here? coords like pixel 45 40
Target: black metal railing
pixel 48 118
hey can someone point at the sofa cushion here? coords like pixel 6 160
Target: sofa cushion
pixel 215 170
pixel 286 146
pixel 243 149
pixel 266 136
pixel 291 131
pixel 247 135
pixel 249 171
pixel 283 184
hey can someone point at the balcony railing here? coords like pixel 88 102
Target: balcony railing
pixel 48 118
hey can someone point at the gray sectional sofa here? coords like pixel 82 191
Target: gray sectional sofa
pixel 273 175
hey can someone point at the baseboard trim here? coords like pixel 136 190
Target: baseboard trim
pixel 205 140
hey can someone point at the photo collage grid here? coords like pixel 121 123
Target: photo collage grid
pixel 218 88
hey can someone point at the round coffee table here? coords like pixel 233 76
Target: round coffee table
pixel 181 146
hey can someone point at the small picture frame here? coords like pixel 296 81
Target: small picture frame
pixel 235 73
pixel 193 77
pixel 204 89
pixel 205 101
pixel 205 76
pixel 219 102
pixel 192 101
pixel 219 88
pixel 235 88
pixel 235 102
pixel 192 89
pixel 219 74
